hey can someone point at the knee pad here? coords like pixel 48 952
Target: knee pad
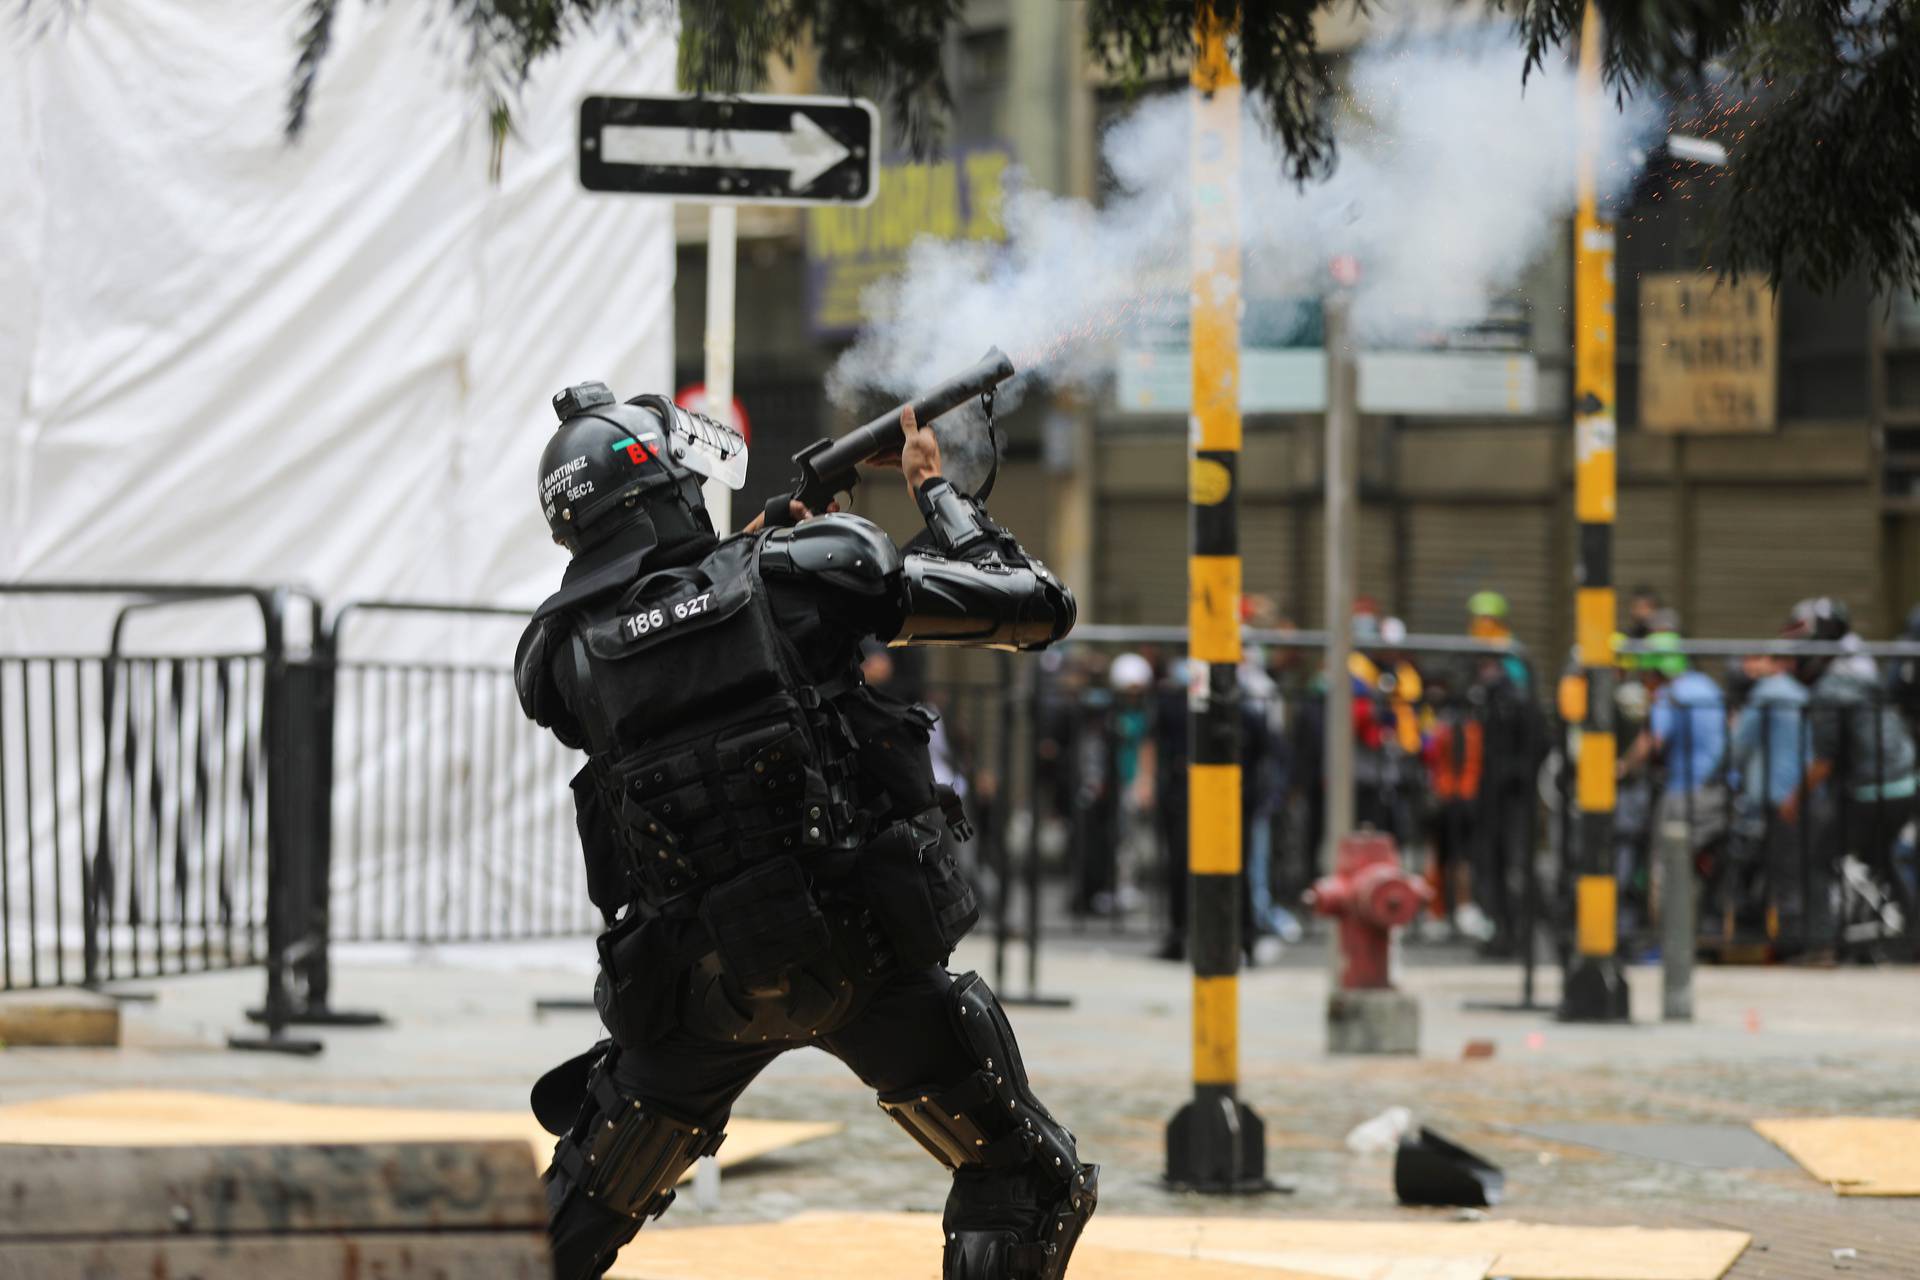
pixel 1021 1194
pixel 623 1155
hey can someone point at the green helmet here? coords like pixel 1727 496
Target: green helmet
pixel 1487 604
pixel 1663 654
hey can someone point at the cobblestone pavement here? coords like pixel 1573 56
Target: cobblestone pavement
pixel 1115 1066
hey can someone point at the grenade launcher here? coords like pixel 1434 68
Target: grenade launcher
pixel 828 467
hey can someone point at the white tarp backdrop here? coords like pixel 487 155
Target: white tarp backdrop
pixel 223 357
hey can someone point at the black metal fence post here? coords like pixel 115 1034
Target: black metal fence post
pixel 1031 866
pixel 1526 935
pixel 1530 886
pixel 1002 826
pixel 311 691
pixel 288 809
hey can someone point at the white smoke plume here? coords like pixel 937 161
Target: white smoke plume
pixel 1451 179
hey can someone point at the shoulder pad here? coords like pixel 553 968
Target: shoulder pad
pixel 532 670
pixel 844 550
pixel 538 684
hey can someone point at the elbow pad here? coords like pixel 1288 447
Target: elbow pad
pixel 840 550
pixel 983 604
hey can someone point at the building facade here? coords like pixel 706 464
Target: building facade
pixel 1730 509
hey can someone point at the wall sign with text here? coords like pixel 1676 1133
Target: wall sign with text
pixel 849 250
pixel 1709 354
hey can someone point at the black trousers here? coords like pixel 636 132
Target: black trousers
pixel 901 1036
pixel 1500 851
pixel 1452 829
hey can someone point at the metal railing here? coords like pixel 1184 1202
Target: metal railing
pixel 1114 828
pixel 984 733
pixel 440 813
pixel 167 812
pixel 1795 802
pixel 144 797
pixel 451 816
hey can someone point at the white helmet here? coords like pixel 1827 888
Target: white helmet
pixel 1130 673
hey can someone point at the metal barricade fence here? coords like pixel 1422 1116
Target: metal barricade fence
pixel 50 759
pixel 176 881
pixel 451 820
pixel 977 744
pixel 170 812
pixel 1796 815
pixel 1111 845
pixel 144 797
pixel 1841 875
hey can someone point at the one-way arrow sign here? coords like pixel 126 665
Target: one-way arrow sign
pixel 752 149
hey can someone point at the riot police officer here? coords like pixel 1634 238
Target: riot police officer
pixel 762 830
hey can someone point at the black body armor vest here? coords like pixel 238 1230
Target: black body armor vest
pixel 710 746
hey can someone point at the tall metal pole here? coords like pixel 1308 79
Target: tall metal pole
pixel 1215 1142
pixel 1342 464
pixel 1596 987
pixel 722 258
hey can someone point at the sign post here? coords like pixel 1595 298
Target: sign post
pixel 723 253
pixel 1342 446
pixel 749 149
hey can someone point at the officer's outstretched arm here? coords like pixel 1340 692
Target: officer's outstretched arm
pixel 976 586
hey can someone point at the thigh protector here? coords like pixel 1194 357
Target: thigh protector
pixel 1021 1194
pixel 803 1001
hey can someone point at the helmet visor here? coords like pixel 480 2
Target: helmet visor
pixel 707 448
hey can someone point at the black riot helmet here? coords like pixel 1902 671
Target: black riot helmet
pixel 610 465
pixel 1821 618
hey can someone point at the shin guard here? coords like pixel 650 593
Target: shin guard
pixel 1021 1195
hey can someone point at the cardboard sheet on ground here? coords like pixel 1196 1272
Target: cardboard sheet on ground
pixel 1365 1266
pixel 1519 1250
pixel 1855 1155
pixel 906 1247
pixel 879 1246
pixel 159 1118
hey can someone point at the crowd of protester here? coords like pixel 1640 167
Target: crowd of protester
pixel 1787 775
pixel 1791 779
pixel 1445 755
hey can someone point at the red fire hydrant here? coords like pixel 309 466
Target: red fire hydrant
pixel 1372 896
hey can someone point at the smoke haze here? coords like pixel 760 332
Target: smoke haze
pixel 1451 181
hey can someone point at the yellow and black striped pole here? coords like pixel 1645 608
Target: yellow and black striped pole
pixel 1596 988
pixel 1215 1142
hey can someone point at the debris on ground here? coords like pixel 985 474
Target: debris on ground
pixel 1432 1170
pixel 1381 1135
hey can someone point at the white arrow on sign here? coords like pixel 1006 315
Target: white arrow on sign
pixel 804 153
